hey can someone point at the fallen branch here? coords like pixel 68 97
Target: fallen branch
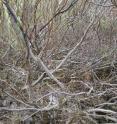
pixel 102 110
pixel 27 109
pixel 37 59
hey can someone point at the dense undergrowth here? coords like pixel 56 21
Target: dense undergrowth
pixel 65 71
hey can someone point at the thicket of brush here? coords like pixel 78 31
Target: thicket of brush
pixel 58 62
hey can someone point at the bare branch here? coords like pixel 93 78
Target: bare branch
pixel 77 45
pixel 102 110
